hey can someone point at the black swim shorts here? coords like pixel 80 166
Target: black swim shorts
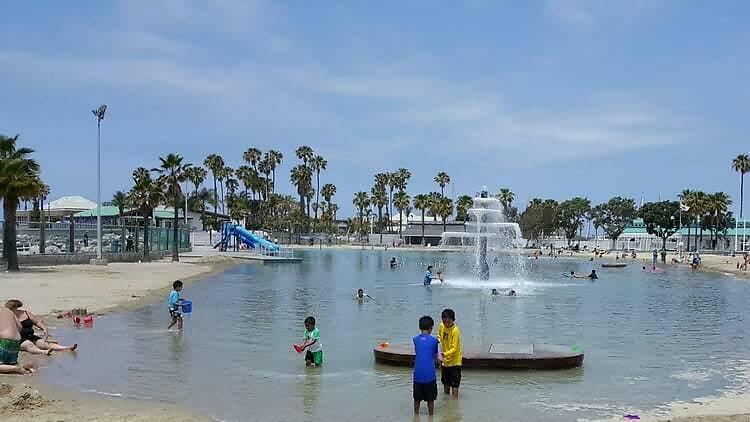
pixel 425 391
pixel 451 376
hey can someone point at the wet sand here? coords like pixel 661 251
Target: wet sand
pixel 50 290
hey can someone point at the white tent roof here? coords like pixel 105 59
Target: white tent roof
pixel 71 203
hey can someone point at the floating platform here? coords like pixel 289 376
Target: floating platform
pixel 494 356
pixel 614 265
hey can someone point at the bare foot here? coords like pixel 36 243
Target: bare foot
pixel 74 347
pixel 48 352
pixel 27 369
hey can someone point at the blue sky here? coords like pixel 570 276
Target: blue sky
pixel 549 98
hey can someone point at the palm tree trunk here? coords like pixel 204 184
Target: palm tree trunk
pixel 146 248
pixel 444 224
pixel 380 223
pixel 400 222
pixel 42 236
pixel 11 254
pixel 317 196
pixel 422 226
pixel 390 209
pixel 175 241
pixel 223 209
pixel 742 189
pixel 216 197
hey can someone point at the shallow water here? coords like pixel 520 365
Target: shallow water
pixel 648 339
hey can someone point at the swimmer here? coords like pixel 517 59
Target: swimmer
pixel 494 292
pixel 440 277
pixel 393 263
pixel 361 296
pixel 593 275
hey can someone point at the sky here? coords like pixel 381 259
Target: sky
pixel 551 99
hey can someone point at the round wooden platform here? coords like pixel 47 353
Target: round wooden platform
pixel 494 356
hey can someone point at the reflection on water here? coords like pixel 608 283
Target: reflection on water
pixel 648 339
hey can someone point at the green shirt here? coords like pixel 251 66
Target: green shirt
pixel 314 335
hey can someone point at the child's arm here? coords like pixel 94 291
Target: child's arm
pixel 307 343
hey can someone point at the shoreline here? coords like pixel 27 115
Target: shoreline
pixel 22 397
pixel 117 287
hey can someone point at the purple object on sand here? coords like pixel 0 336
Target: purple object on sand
pixel 631 417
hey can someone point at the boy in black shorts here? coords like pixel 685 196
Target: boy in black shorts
pixel 425 355
pixel 450 341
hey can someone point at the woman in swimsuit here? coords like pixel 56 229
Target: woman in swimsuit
pixel 30 342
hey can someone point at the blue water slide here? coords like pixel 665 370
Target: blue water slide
pixel 253 240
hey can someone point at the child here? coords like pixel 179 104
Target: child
pixel 425 355
pixel 427 280
pixel 361 296
pixel 450 341
pixel 173 303
pixel 311 342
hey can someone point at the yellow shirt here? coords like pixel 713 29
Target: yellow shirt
pixel 450 342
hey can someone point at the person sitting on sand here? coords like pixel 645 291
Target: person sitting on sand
pixel 30 342
pixel 10 344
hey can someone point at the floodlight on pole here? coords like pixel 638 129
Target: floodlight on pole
pixel 99 114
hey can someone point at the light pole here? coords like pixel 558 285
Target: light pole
pixel 99 114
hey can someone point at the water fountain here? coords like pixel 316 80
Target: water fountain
pixel 495 242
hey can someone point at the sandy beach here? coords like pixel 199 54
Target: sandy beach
pixel 99 289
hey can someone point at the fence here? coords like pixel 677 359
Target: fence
pixel 115 239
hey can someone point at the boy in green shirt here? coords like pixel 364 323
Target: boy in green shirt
pixel 311 342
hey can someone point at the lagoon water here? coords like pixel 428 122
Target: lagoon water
pixel 649 339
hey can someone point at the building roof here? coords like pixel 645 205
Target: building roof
pixel 71 203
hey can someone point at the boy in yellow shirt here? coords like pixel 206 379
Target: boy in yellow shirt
pixel 450 342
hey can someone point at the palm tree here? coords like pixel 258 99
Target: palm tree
pixel 252 156
pixel 317 164
pixel 506 197
pixel 717 205
pixel 401 201
pixel 215 163
pixel 120 199
pixel 301 177
pixel 700 205
pixel 304 153
pixel 422 202
pixel 687 199
pixel 196 175
pixel 463 204
pixel 19 179
pixel 361 201
pixel 442 179
pixel 43 192
pixel 328 191
pixel 379 199
pixel 202 196
pixel 225 173
pixel 392 179
pixel 172 171
pixel 444 209
pixel 145 195
pixel 274 160
pixel 741 164
pixel 245 174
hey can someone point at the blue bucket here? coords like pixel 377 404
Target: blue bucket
pixel 187 306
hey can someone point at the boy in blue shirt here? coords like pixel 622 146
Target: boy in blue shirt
pixel 425 354
pixel 173 302
pixel 428 276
